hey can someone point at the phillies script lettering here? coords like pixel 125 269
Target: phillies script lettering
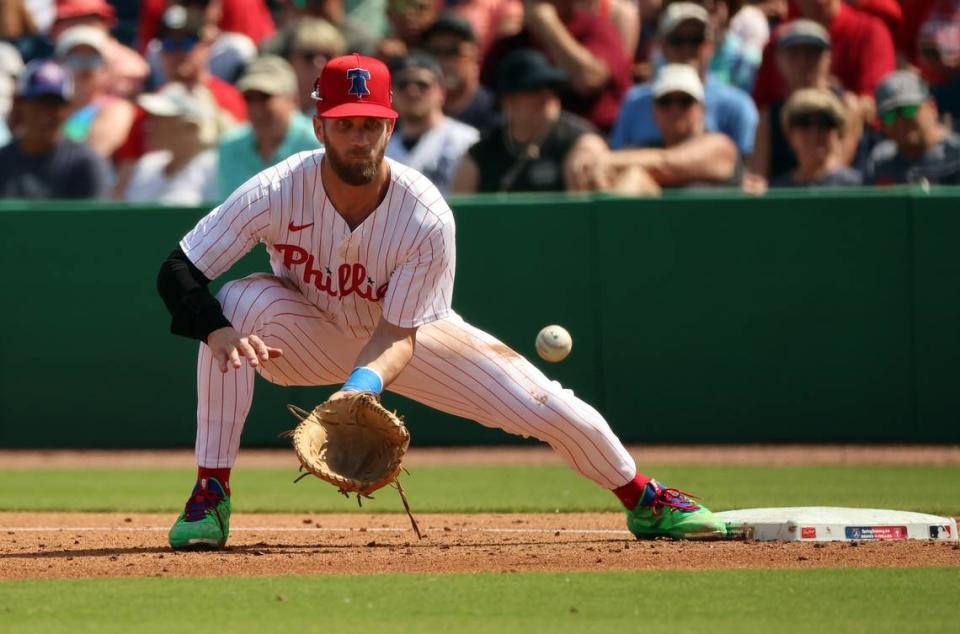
pixel 349 279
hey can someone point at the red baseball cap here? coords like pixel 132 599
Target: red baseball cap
pixel 67 9
pixel 354 86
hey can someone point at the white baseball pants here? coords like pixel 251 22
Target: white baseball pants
pixel 456 368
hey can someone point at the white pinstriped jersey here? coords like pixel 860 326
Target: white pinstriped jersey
pixel 399 262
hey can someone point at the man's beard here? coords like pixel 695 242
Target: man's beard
pixel 356 173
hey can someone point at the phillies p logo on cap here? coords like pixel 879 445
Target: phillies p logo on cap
pixel 354 86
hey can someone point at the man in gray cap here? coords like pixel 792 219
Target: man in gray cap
pixel 803 59
pixel 918 149
pixel 277 128
pixel 687 37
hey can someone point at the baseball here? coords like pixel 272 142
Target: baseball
pixel 554 343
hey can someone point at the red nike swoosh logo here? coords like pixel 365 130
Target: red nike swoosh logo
pixel 295 228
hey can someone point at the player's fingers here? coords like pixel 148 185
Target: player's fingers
pixel 258 346
pixel 221 360
pixel 234 358
pixel 274 352
pixel 248 352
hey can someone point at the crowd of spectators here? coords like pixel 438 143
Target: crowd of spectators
pixel 181 101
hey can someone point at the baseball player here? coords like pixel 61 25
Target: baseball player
pixel 363 255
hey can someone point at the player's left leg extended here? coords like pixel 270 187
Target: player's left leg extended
pixel 464 371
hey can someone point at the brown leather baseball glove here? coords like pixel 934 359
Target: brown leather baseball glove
pixel 354 443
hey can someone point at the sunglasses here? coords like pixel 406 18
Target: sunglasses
pixel 905 112
pixel 679 41
pixel 453 51
pixel 818 121
pixel 405 84
pixel 179 43
pixel 256 97
pixel 684 101
pixel 83 61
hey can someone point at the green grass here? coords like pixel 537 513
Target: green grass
pixel 712 601
pixel 490 489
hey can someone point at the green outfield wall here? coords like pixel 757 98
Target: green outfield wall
pixel 829 317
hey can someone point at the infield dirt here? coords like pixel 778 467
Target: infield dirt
pixel 97 545
pixel 34 545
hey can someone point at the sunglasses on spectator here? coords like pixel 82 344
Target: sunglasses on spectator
pixel 679 41
pixel 422 84
pixel 819 121
pixel 684 101
pixel 905 112
pixel 255 97
pixel 83 61
pixel 452 51
pixel 185 43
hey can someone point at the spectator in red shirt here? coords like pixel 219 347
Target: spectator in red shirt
pixel 185 49
pixel 889 11
pixel 862 52
pixel 249 17
pixel 126 68
pixel 585 46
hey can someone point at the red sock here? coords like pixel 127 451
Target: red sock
pixel 222 476
pixel 632 492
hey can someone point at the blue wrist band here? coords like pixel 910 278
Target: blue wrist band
pixel 364 380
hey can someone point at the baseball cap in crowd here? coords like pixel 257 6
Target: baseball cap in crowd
pixel 269 74
pixel 813 101
pixel 418 60
pixel 313 35
pixel 181 20
pixel 45 77
pixel 354 86
pixel 678 78
pixel 901 88
pixel 67 9
pixel 679 12
pixel 449 22
pixel 176 100
pixel 526 70
pixel 803 31
pixel 80 35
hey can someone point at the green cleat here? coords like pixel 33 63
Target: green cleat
pixel 667 512
pixel 205 521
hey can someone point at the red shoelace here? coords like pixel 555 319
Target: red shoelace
pixel 198 505
pixel 673 498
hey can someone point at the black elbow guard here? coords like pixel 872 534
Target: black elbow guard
pixel 197 315
pixel 183 287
